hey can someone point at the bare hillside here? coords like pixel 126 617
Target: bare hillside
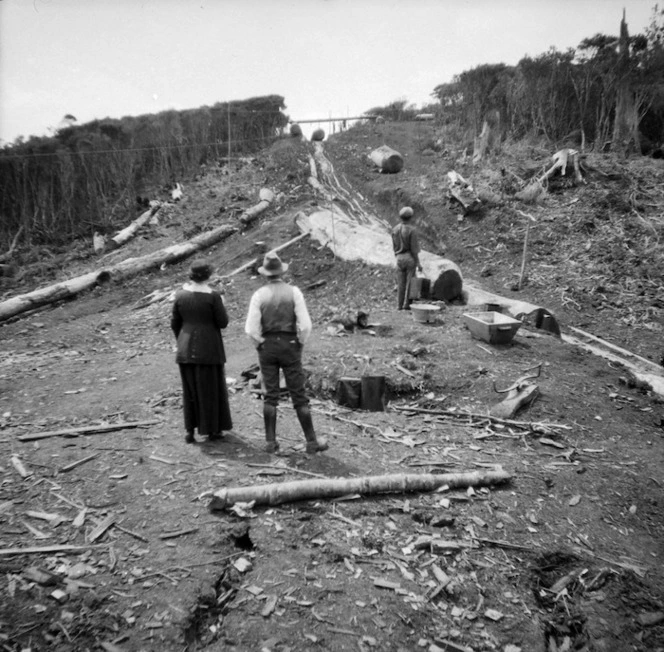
pixel 107 535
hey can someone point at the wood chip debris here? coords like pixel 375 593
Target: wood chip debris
pixel 20 467
pixel 101 528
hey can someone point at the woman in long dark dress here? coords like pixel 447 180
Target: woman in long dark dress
pixel 197 319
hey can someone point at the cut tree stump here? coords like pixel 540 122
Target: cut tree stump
pixel 560 162
pixel 461 192
pixel 285 492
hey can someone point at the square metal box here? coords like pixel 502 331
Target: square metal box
pixel 492 327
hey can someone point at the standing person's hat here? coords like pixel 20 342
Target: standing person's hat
pixel 200 270
pixel 272 266
pixel 406 213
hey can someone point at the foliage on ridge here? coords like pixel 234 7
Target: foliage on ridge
pixel 88 176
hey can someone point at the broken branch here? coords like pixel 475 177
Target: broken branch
pixel 86 430
pixel 525 425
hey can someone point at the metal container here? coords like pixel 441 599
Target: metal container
pixel 424 312
pixel 492 327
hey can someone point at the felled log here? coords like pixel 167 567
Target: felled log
pixel 119 271
pixel 446 280
pixel 159 295
pixel 266 197
pixel 387 159
pixel 278 493
pixel 130 231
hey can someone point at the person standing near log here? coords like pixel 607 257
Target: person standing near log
pixel 278 323
pixel 197 318
pixel 407 250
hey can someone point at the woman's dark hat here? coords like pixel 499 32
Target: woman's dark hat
pixel 272 266
pixel 200 270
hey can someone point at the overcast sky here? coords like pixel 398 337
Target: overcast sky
pixel 111 58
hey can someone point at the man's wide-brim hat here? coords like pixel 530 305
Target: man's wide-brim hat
pixel 272 266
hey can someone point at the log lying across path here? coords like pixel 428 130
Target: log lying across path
pixel 119 271
pixel 284 492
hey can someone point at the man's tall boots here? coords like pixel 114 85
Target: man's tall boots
pixel 270 420
pixel 314 444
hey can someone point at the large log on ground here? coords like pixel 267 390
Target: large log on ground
pixel 130 231
pixel 387 159
pixel 284 492
pixel 445 277
pixel 266 197
pixel 124 269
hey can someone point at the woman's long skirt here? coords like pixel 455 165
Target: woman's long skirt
pixel 205 398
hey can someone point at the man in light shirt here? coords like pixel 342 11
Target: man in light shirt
pixel 278 322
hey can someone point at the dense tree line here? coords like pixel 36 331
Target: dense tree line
pixel 607 94
pixel 88 176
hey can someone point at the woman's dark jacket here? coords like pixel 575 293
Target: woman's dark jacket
pixel 196 320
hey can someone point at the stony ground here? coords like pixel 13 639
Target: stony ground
pixel 566 555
